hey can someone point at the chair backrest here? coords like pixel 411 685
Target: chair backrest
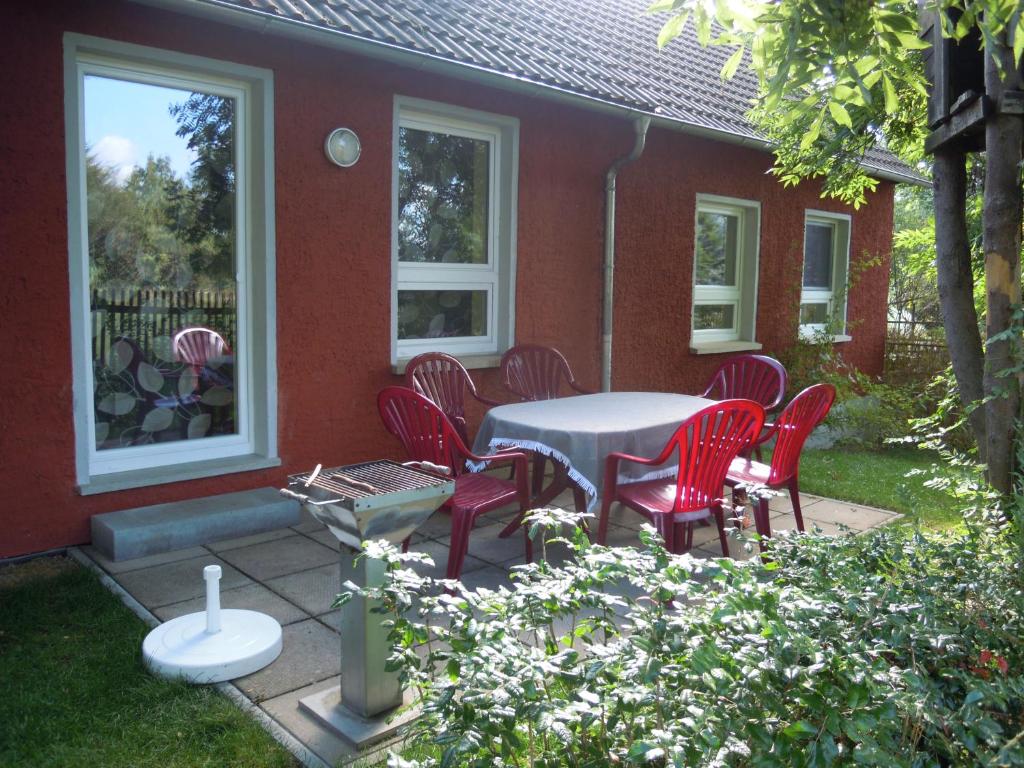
pixel 423 429
pixel 708 442
pixel 534 372
pixel 754 377
pixel 442 379
pixel 794 425
pixel 197 345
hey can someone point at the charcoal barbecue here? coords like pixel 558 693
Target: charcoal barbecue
pixel 358 503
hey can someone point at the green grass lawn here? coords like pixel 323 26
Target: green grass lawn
pixel 877 478
pixel 73 691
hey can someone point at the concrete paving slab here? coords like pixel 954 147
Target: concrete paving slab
pixel 439 551
pixel 277 558
pixel 175 582
pixel 487 546
pixel 308 523
pixel 247 541
pixel 854 515
pixel 490 577
pixel 138 563
pixel 313 590
pixel 325 537
pixel 285 709
pixel 310 653
pixel 252 597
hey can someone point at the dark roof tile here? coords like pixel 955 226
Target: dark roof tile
pixel 603 49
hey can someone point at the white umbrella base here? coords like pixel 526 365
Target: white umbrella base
pixel 183 649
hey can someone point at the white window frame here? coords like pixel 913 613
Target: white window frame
pixel 743 295
pixel 255 444
pixel 497 275
pixel 841 225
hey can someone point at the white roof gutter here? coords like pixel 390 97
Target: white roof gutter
pixel 265 22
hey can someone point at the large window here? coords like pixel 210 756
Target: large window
pixel 454 230
pixel 826 260
pixel 724 270
pixel 169 252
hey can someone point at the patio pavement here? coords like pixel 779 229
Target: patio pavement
pixel 293 574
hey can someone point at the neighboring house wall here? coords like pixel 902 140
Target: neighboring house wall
pixel 333 253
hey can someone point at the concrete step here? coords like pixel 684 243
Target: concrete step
pixel 131 533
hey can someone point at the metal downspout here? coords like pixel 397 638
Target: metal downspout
pixel 640 125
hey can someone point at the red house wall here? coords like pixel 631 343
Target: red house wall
pixel 333 252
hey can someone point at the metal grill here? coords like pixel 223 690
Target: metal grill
pixel 362 502
pixel 374 479
pixel 372 500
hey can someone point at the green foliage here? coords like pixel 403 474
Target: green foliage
pixel 837 77
pixel 75 692
pixel 895 649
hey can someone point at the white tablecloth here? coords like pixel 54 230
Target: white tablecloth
pixel 581 431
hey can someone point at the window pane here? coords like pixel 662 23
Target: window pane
pixel 160 180
pixel 443 198
pixel 814 314
pixel 713 317
pixel 818 256
pixel 436 314
pixel 716 248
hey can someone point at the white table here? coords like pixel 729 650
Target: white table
pixel 579 432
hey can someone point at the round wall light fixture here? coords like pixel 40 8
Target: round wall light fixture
pixel 342 147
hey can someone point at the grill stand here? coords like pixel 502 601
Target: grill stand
pixel 375 500
pixel 360 709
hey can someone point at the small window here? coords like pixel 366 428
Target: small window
pixel 826 259
pixel 454 196
pixel 725 270
pixel 169 194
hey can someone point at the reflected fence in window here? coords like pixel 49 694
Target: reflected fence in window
pixel 151 316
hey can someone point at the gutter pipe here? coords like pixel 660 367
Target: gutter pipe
pixel 640 126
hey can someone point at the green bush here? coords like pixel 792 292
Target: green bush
pixel 868 412
pixel 894 649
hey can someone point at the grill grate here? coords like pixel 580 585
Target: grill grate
pixel 373 479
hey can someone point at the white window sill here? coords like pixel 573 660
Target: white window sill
pixel 139 478
pixel 723 347
pixel 469 362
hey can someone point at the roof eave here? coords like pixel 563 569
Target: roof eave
pixel 264 22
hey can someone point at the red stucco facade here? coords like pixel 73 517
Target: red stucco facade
pixel 336 225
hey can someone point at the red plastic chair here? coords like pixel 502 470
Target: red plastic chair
pixel 533 372
pixel 790 430
pixel 443 380
pixel 755 377
pixel 428 435
pixel 707 443
pixel 196 346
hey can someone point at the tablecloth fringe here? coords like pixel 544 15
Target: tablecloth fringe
pixel 588 487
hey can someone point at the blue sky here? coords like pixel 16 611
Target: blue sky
pixel 126 122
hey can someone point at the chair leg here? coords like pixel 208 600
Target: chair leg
pixel 602 523
pixel 462 523
pixel 794 496
pixel 537 476
pixel 761 517
pixel 579 498
pixel 722 537
pixel 666 528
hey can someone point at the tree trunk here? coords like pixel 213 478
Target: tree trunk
pixel 1004 133
pixel 956 283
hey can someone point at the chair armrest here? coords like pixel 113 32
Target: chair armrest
pixel 486 400
pixel 767 433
